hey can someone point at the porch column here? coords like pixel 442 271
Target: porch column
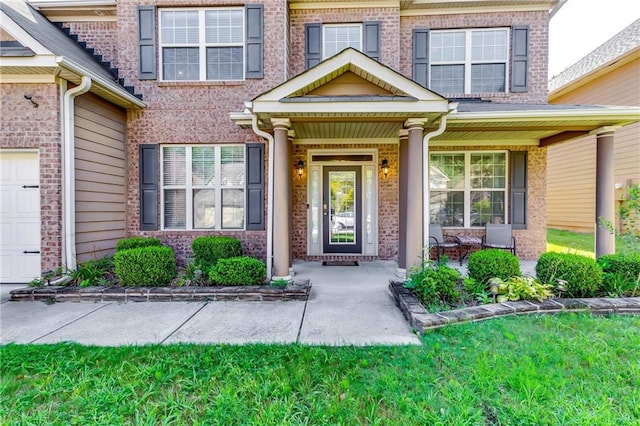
pixel 281 199
pixel 414 220
pixel 402 199
pixel 605 195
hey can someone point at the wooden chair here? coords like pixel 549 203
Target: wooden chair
pixel 438 240
pixel 499 236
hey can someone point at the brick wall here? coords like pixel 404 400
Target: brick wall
pixel 387 201
pixel 101 36
pixel 23 126
pixel 538 46
pixel 389 31
pixel 531 242
pixel 193 112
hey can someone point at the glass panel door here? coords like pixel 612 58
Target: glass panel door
pixel 342 212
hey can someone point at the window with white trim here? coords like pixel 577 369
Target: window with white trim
pixel 202 44
pixel 469 61
pixel 203 187
pixel 337 37
pixel 467 189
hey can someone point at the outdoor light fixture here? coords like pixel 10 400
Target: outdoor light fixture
pixel 29 97
pixel 300 168
pixel 385 167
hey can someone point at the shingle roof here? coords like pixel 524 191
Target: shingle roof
pixel 623 42
pixel 509 107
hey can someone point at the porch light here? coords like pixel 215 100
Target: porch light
pixel 385 167
pixel 300 168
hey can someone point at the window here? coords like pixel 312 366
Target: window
pixel 205 44
pixel 203 187
pixel 339 37
pixel 468 189
pixel 469 61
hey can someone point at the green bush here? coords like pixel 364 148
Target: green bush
pixel 241 270
pixel 91 272
pixel 621 274
pixel 145 266
pixel 520 288
pixel 581 276
pixel 136 242
pixel 493 263
pixel 208 250
pixel 434 283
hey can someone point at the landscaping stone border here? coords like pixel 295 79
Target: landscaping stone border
pixel 421 320
pixel 299 290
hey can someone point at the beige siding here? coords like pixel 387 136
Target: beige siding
pixel 100 177
pixel 571 166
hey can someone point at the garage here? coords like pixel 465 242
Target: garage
pixel 19 216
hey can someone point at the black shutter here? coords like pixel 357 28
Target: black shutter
pixel 254 41
pixel 371 39
pixel 421 56
pixel 312 44
pixel 148 187
pixel 518 168
pixel 255 187
pixel 147 43
pixel 520 59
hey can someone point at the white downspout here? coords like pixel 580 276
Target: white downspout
pixel 270 184
pixel 425 173
pixel 69 175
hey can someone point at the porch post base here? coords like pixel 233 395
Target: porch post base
pixel 401 273
pixel 287 278
pixel 292 272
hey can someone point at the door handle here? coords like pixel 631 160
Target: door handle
pixel 324 209
pixel 31 252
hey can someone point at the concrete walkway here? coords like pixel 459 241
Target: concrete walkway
pixel 348 305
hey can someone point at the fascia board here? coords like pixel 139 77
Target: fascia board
pixel 419 108
pixel 618 113
pixel 23 37
pixel 40 61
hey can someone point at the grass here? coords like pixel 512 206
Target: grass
pixel 565 369
pixel 579 243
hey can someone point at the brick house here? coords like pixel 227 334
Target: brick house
pixel 309 130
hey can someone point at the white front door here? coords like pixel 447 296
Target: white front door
pixel 19 216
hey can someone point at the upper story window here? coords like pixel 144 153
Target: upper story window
pixel 469 61
pixel 339 37
pixel 202 44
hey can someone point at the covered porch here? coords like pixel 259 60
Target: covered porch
pixel 349 144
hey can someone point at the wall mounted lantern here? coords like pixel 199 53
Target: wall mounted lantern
pixel 300 168
pixel 385 167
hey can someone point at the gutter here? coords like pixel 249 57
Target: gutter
pixel 270 185
pixel 109 85
pixel 68 177
pixel 425 172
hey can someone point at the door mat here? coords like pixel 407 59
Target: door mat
pixel 340 263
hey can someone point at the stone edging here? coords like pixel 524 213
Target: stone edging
pixel 297 291
pixel 421 320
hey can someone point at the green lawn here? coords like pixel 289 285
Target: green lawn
pixel 577 242
pixel 564 369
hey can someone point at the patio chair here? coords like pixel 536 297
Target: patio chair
pixel 442 242
pixel 499 236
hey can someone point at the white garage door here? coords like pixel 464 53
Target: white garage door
pixel 19 217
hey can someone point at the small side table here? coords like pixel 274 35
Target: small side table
pixel 469 243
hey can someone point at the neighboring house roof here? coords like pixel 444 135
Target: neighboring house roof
pixel 618 46
pixel 60 44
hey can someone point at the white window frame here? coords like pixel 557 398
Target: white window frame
pixel 189 187
pixel 468 62
pixel 467 185
pixel 325 26
pixel 202 44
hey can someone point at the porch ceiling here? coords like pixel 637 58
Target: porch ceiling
pixel 346 129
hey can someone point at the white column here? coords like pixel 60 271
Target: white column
pixel 414 216
pixel 605 192
pixel 281 200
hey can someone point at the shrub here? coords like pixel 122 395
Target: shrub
pixel 621 274
pixel 136 242
pixel 91 272
pixel 581 275
pixel 493 263
pixel 517 288
pixel 241 270
pixel 208 250
pixel 433 283
pixel 145 266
